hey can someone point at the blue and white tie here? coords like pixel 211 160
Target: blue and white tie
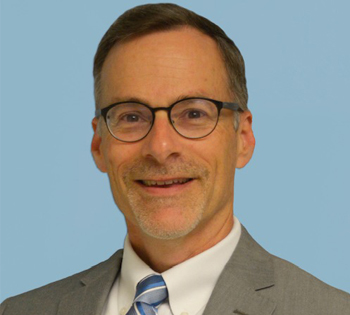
pixel 150 293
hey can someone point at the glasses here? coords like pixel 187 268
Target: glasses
pixel 192 118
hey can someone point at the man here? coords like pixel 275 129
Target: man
pixel 171 127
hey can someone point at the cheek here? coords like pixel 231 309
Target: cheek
pixel 116 153
pixel 221 151
pixel 116 157
pixel 223 160
pixel 219 156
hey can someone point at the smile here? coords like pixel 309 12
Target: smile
pixel 165 183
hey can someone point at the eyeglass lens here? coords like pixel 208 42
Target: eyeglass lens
pixel 192 118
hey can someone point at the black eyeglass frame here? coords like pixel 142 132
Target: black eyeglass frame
pixel 219 105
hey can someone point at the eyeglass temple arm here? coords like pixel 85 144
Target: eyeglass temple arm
pixel 232 106
pixel 98 113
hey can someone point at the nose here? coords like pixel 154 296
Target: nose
pixel 163 143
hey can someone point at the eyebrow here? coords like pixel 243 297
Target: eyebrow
pixel 144 101
pixel 126 99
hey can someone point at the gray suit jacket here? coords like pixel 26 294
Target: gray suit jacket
pixel 253 283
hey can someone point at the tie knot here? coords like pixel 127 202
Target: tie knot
pixel 151 290
pixel 150 293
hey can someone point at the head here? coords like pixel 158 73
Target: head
pixel 168 186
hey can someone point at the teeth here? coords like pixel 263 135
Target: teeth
pixel 167 182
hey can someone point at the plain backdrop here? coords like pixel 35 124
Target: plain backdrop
pixel 57 212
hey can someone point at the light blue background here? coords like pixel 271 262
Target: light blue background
pixel 57 213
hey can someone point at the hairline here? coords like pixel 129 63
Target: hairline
pixel 97 79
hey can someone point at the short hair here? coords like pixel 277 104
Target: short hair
pixel 151 18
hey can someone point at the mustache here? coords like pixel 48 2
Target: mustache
pixel 145 169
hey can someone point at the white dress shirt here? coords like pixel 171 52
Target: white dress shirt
pixel 189 283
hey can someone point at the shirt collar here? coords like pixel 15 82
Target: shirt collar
pixel 190 283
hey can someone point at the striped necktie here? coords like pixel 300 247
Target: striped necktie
pixel 151 291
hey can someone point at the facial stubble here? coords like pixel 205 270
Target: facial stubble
pixel 167 217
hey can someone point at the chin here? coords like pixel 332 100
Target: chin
pixel 166 232
pixel 167 217
pixel 168 223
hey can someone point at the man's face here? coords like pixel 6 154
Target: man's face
pixel 168 186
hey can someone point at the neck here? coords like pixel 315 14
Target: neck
pixel 163 254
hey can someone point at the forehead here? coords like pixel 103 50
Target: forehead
pixel 163 65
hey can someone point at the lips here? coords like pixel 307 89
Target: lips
pixel 164 183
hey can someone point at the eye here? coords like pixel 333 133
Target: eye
pixel 133 117
pixel 193 111
pixel 130 117
pixel 194 114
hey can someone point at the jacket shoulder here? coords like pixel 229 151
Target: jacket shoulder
pixel 299 290
pixel 47 298
pixel 291 289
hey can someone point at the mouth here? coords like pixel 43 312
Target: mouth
pixel 166 183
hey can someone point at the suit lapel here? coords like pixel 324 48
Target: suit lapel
pixel 238 290
pixel 91 297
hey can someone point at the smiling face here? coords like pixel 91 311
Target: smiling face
pixel 168 186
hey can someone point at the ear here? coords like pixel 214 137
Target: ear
pixel 245 139
pixel 96 149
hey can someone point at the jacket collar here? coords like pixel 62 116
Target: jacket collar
pixel 91 297
pixel 239 289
